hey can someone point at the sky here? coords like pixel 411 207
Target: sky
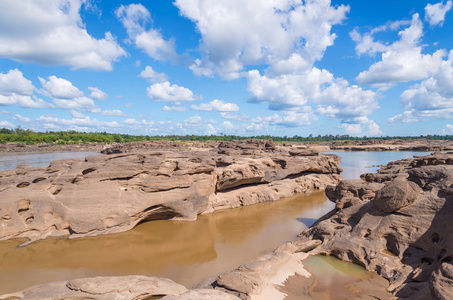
pixel 241 67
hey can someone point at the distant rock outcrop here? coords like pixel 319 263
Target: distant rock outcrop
pixel 104 194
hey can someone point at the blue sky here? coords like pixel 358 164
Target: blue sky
pixel 277 67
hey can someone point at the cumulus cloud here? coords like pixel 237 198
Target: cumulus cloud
pixel 234 116
pixel 402 60
pixel 333 97
pixel 231 39
pixel 51 32
pixel 435 13
pixel 217 105
pixel 97 94
pixel 405 117
pixel 24 101
pixel 71 123
pixel 59 88
pixel 174 108
pixel 14 82
pixel 135 18
pixel 114 112
pixel 448 129
pixel 6 124
pixel 22 119
pixel 432 98
pixel 15 89
pixel 79 103
pixel 171 93
pixel 153 76
pixel 355 126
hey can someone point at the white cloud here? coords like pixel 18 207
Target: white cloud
pixel 86 122
pixel 353 129
pixel 220 105
pixel 228 126
pixel 432 98
pixel 173 108
pixel 401 61
pixel 24 101
pixel 4 112
pixel 79 103
pixel 202 107
pixel 217 105
pixel 153 76
pixel 51 32
pixel 15 82
pixel 294 118
pixel 405 117
pixel 97 94
pixel 22 119
pixel 6 124
pixel 59 88
pixel 333 97
pixel 356 124
pixel 76 114
pixel 134 18
pixel 114 112
pixel 435 13
pixel 231 39
pixel 448 129
pixel 170 93
pixel 233 116
pixel 133 121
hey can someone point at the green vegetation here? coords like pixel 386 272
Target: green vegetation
pixel 29 137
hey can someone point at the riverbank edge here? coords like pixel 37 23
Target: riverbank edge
pixel 285 248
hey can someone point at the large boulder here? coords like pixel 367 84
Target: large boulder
pixel 396 195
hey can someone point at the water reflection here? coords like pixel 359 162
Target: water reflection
pixel 186 252
pixel 355 163
pixel 9 161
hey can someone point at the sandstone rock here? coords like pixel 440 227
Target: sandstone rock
pixel 197 294
pixel 101 288
pixel 396 195
pixel 404 234
pixel 112 193
pixel 351 192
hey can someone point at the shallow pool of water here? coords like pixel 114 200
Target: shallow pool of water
pixel 9 161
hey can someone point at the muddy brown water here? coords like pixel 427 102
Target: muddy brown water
pixel 186 252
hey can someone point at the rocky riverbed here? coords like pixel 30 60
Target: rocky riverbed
pixel 112 193
pixel 396 224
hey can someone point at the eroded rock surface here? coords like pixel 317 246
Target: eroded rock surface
pixel 403 232
pixel 112 193
pixel 102 288
pixel 399 228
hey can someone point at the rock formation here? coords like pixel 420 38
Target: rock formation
pixel 399 226
pixel 403 232
pixel 392 145
pixel 104 194
pixel 116 287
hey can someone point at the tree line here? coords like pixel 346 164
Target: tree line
pixel 30 137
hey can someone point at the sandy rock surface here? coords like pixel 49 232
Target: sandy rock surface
pixel 101 288
pixel 112 193
pixel 403 232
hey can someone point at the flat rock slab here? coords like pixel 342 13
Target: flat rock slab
pixel 101 288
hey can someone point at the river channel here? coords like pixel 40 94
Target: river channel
pixel 186 252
